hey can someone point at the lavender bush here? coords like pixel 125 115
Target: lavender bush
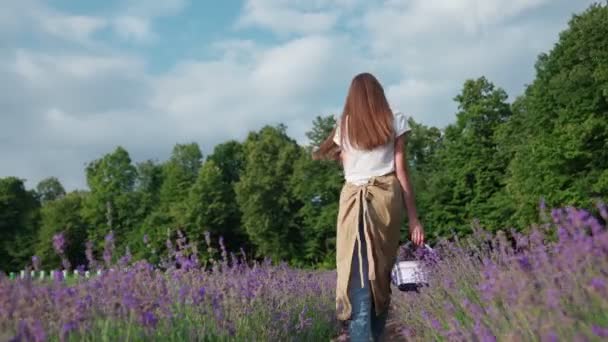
pixel 548 285
pixel 180 301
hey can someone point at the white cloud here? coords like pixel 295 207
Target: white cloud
pixel 215 98
pixel 293 68
pixel 133 28
pixel 153 9
pixel 73 27
pixel 411 18
pixel 136 20
pixel 287 17
pixel 37 18
pixel 38 67
pixel 423 45
pixel 412 97
pixel 83 105
pixel 67 104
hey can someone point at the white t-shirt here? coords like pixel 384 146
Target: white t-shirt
pixel 361 165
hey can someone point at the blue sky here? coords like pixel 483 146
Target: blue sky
pixel 78 78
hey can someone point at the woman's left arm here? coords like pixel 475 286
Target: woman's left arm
pixel 401 169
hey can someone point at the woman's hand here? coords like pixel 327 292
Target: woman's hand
pixel 416 233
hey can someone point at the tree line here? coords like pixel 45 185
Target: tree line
pixel 495 164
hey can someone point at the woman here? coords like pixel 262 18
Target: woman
pixel 370 142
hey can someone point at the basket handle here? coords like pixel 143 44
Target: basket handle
pixel 427 247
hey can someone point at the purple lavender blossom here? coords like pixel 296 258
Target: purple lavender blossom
pixel 59 243
pixel 550 337
pixel 524 263
pixel 599 331
pixel 38 332
pixel 149 319
pixel 535 274
pixel 108 248
pixel 89 255
pixel 598 284
pixel 603 210
pixel 481 288
pixel 36 263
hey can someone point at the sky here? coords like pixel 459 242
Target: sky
pixel 79 78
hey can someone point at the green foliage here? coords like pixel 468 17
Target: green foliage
pixel 62 215
pixel 49 189
pixel 560 132
pixel 149 178
pixel 111 203
pixel 19 215
pixel 264 194
pixel 321 128
pixel 316 184
pixel 211 206
pixel 466 171
pixel 180 172
pixel 230 159
pixel 421 143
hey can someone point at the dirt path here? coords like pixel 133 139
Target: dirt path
pixel 392 334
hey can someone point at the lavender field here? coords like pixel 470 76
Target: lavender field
pixel 546 285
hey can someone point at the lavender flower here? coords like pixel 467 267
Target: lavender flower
pixel 598 284
pixel 59 243
pixel 149 319
pixel 481 287
pixel 36 263
pixel 89 255
pixel 108 248
pixel 550 337
pixel 599 331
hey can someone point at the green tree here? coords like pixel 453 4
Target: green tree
pixel 558 135
pixel 466 171
pixel 211 206
pixel 147 187
pixel 149 178
pixel 62 215
pixel 264 195
pixel 421 145
pixel 164 191
pixel 230 160
pixel 317 184
pixel 180 172
pixel 19 216
pixel 50 189
pixel 322 127
pixel 422 142
pixel 112 202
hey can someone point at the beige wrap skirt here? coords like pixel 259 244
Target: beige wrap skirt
pixel 379 203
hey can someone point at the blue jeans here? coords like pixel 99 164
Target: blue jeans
pixel 365 325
